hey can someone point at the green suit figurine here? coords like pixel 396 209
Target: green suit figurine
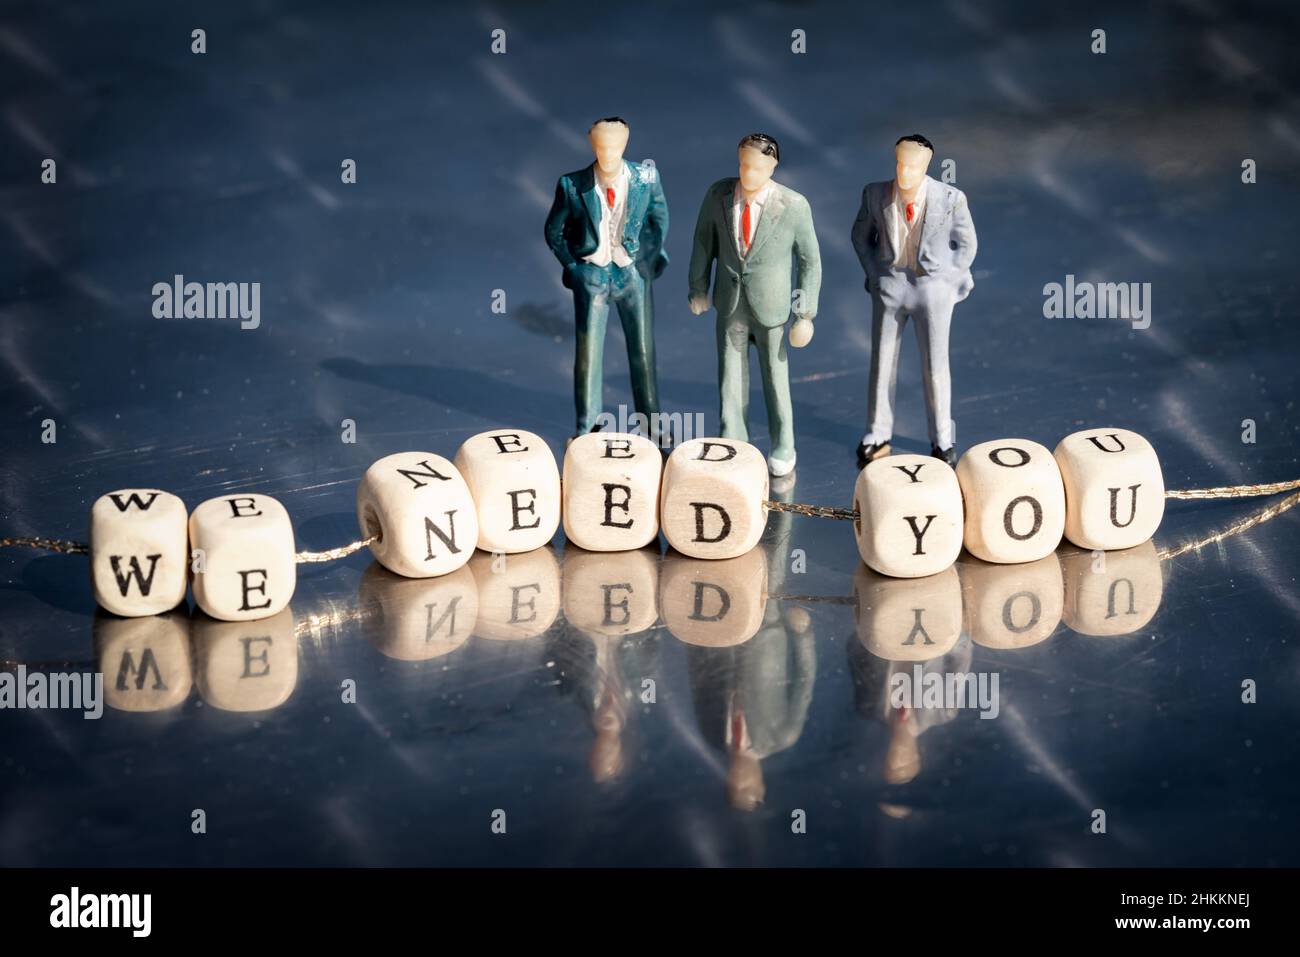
pixel 751 226
pixel 607 228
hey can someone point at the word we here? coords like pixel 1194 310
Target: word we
pixel 208 300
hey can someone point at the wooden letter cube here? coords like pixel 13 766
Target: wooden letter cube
pixel 245 568
pixel 1114 490
pixel 1111 593
pixel 1009 608
pixel 907 619
pixel 422 510
pixel 138 555
pixel 611 595
pixel 611 491
pixel 417 619
pixel 518 595
pixel 246 666
pixel 909 521
pixel 1015 501
pixel 711 505
pixel 515 484
pixel 146 662
pixel 714 604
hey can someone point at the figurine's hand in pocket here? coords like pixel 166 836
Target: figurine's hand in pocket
pixel 699 305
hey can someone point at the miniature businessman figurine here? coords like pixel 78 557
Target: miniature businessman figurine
pixel 751 226
pixel 607 228
pixel 916 241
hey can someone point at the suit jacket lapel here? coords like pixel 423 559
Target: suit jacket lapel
pixel 889 217
pixel 725 200
pixel 932 217
pixel 590 201
pixel 770 219
pixel 635 193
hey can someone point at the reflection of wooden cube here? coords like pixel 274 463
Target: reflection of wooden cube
pixel 715 604
pixel 146 662
pixel 515 483
pixel 907 619
pixel 1111 593
pixel 518 595
pixel 422 510
pixel 246 665
pixel 138 554
pixel 1015 501
pixel 417 619
pixel 711 505
pixel 1114 490
pixel 611 593
pixel 246 567
pixel 611 491
pixel 909 521
pixel 1011 606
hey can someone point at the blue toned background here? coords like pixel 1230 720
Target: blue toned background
pixel 376 307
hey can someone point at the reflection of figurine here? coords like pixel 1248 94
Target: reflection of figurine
pixel 873 683
pixel 607 228
pixel 916 241
pixel 751 226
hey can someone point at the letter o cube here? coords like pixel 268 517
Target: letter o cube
pixel 711 505
pixel 1114 490
pixel 1015 501
pixel 909 521
pixel 611 491
pixel 245 569
pixel 515 484
pixel 421 508
pixel 138 557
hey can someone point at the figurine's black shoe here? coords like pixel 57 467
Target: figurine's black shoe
pixel 949 454
pixel 868 453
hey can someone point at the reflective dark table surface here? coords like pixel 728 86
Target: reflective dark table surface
pixel 640 732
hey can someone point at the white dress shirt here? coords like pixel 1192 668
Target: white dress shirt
pixel 755 211
pixel 612 221
pixel 907 236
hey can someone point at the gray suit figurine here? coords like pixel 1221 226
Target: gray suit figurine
pixel 752 229
pixel 916 241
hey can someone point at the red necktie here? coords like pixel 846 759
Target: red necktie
pixel 609 195
pixel 911 211
pixel 744 225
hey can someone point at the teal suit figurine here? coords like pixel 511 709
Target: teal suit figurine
pixel 607 228
pixel 751 226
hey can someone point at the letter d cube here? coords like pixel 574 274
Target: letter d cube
pixel 1114 490
pixel 711 505
pixel 909 521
